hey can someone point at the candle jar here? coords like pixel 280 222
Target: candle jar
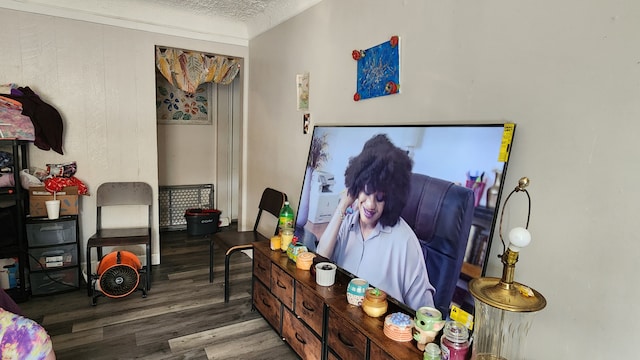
pixel 455 341
pixel 275 242
pixel 286 238
pixel 432 352
pixel 355 291
pixel 375 303
pixel 428 324
pixel 305 260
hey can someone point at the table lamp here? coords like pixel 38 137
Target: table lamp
pixel 504 309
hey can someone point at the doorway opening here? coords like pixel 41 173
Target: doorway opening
pixel 202 147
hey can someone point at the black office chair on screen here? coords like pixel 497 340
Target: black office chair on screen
pixel 440 213
pixel 271 202
pixel 118 194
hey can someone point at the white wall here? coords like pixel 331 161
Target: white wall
pixel 101 79
pixel 566 72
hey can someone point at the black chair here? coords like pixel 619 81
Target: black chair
pixel 440 214
pixel 271 202
pixel 118 194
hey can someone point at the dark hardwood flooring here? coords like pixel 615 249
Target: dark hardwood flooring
pixel 183 316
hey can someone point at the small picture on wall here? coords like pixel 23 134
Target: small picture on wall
pixel 302 83
pixel 306 123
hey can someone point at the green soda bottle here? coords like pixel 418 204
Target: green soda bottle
pixel 286 217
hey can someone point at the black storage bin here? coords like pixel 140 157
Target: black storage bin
pixel 202 221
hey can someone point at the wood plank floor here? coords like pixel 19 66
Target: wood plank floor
pixel 183 316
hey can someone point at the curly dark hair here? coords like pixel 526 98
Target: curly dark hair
pixel 383 167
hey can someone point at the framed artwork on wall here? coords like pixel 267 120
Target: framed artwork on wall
pixel 302 86
pixel 378 72
pixel 174 106
pixel 306 123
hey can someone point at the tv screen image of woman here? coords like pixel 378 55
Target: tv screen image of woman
pixel 439 209
pixel 366 235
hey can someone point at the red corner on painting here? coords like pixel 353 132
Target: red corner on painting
pixel 356 97
pixel 394 41
pixel 356 55
pixel 391 87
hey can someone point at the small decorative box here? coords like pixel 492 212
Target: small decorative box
pixel 294 249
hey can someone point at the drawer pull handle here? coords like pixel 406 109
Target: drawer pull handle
pixel 304 305
pixel 345 341
pixel 264 301
pixel 300 339
pixel 281 285
pixel 262 267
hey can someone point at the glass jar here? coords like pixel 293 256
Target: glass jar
pixel 432 352
pixel 275 242
pixel 455 341
pixel 375 302
pixel 285 239
pixel 500 334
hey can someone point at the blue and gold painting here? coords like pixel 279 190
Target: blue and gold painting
pixel 378 70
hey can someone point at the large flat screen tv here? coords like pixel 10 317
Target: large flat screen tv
pixel 450 203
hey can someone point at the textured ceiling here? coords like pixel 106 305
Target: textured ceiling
pixel 232 21
pixel 241 10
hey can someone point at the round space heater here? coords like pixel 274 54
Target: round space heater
pixel 119 274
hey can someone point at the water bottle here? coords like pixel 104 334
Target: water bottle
pixel 286 217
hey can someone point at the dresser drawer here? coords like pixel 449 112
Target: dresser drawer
pixel 267 305
pixel 51 232
pixel 309 307
pixel 262 267
pixel 300 338
pixel 376 353
pixel 344 339
pixel 282 286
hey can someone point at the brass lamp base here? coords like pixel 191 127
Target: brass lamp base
pixel 507 296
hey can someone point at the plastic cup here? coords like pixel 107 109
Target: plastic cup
pixel 53 209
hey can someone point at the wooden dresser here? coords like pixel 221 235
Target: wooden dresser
pixel 317 321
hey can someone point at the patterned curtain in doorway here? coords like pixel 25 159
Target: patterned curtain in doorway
pixel 186 70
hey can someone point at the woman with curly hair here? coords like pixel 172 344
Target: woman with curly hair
pixel 374 242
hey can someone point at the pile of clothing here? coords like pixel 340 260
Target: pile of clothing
pixel 25 116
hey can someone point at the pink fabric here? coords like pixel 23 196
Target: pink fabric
pixel 12 123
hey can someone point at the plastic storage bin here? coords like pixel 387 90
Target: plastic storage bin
pixel 51 233
pixel 56 257
pixel 49 282
pixel 202 221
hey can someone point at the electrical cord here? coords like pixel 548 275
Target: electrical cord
pixel 47 271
